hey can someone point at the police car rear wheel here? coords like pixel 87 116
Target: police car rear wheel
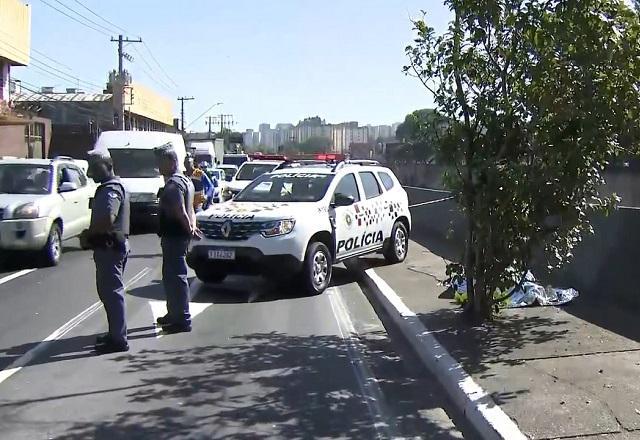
pixel 396 250
pixel 53 249
pixel 318 268
pixel 208 276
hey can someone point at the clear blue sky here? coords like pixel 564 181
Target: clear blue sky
pixel 268 61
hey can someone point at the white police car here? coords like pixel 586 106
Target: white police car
pixel 299 221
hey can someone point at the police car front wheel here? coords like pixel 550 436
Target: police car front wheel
pixel 318 267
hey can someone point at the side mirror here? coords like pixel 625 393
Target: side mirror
pixel 67 187
pixel 343 200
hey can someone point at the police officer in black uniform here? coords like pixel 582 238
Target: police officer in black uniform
pixel 177 227
pixel 108 237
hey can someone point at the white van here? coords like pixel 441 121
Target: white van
pixel 203 151
pixel 135 163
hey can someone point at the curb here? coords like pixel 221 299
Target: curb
pixel 476 405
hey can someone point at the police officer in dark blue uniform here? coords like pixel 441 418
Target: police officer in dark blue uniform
pixel 108 237
pixel 177 227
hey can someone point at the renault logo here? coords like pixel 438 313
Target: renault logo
pixel 226 228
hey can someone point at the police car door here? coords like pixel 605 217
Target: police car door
pixel 343 218
pixel 371 215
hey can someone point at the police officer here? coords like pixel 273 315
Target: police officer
pixel 177 226
pixel 108 237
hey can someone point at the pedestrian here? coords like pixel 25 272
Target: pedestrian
pixel 177 227
pixel 202 184
pixel 108 237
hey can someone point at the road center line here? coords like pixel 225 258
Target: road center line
pixel 431 202
pixel 13 276
pixel 369 387
pixel 26 358
pixel 427 189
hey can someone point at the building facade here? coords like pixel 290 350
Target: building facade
pixel 77 118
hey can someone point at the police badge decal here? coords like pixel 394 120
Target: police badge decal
pixel 348 220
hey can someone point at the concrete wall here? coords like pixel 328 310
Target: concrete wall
pixel 604 265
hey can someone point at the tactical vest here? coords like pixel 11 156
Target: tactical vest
pixel 123 219
pixel 168 226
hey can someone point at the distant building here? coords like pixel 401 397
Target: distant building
pixel 247 138
pixel 22 132
pixel 77 118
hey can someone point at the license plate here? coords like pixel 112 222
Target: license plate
pixel 222 254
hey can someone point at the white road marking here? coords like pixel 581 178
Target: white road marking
pixel 159 308
pixel 373 396
pixel 634 208
pixel 477 405
pixel 26 358
pixel 427 189
pixel 431 202
pixel 13 276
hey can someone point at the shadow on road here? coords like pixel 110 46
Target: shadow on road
pixel 264 385
pixel 66 349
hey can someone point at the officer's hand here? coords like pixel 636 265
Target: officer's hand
pixel 197 233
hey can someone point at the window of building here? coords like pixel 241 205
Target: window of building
pixel 370 185
pixel 386 179
pixel 34 140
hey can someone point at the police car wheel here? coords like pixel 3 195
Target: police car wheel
pixel 398 245
pixel 52 251
pixel 318 267
pixel 208 276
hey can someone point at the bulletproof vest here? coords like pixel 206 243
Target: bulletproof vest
pixel 168 226
pixel 123 219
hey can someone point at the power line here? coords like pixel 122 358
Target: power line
pixel 35 60
pixel 101 17
pixel 159 65
pixel 80 15
pixel 74 18
pixel 159 81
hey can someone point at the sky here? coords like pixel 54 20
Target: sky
pixel 267 61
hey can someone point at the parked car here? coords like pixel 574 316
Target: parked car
pixel 229 171
pixel 42 203
pixel 247 172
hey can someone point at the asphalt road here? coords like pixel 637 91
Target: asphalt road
pixel 262 361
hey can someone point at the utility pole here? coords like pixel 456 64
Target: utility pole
pixel 121 79
pixel 182 99
pixel 209 121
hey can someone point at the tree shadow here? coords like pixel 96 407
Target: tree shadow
pixel 263 385
pixel 479 347
pixel 59 350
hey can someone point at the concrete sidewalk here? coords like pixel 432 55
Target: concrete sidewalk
pixel 568 372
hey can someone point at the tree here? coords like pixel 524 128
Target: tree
pixel 421 132
pixel 539 94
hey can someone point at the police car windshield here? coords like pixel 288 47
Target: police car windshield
pixel 132 163
pixel 25 179
pixel 289 187
pixel 250 171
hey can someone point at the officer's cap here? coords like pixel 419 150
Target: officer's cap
pixel 166 151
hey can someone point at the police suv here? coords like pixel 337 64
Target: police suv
pixel 297 221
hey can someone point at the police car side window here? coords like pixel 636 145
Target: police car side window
pixel 370 185
pixel 386 179
pixel 74 175
pixel 348 187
